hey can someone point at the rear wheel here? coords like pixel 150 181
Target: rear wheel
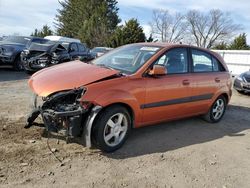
pixel 216 111
pixel 112 128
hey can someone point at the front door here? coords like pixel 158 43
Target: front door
pixel 73 51
pixel 167 96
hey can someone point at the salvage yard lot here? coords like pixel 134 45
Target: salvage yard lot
pixel 185 153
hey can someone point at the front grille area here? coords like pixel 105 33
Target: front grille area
pixel 35 53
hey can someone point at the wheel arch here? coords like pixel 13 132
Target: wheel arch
pixel 125 105
pixel 90 124
pixel 225 95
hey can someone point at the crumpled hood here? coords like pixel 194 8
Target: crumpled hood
pixel 66 76
pixel 48 47
pixel 40 47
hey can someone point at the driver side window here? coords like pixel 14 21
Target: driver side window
pixel 175 61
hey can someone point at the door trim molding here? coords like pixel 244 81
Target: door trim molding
pixel 178 101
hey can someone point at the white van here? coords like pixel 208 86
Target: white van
pixel 62 39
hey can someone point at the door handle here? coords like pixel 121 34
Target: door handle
pixel 217 80
pixel 185 82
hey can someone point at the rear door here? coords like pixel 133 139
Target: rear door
pixel 207 78
pixel 167 96
pixel 83 52
pixel 73 51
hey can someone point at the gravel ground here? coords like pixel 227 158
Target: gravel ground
pixel 185 153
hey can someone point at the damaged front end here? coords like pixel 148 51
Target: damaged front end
pixel 63 112
pixel 40 56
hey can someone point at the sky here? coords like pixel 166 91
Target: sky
pixel 23 16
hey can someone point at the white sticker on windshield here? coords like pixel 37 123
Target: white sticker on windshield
pixel 147 48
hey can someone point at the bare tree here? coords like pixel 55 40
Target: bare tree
pixel 167 27
pixel 209 28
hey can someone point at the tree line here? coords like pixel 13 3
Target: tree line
pixel 97 23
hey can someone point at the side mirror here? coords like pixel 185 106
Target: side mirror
pixel 158 70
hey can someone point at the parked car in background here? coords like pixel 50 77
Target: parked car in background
pixel 99 51
pixel 39 56
pixel 11 48
pixel 242 82
pixel 130 87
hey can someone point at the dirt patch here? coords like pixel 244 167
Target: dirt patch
pixel 185 153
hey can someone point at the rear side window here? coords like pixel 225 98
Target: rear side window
pixel 175 60
pixel 81 48
pixel 217 66
pixel 73 47
pixel 202 61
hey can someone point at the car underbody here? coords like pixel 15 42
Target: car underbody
pixel 64 113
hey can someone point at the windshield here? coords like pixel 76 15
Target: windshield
pixel 17 39
pixel 127 59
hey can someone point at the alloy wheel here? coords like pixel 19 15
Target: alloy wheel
pixel 218 109
pixel 115 129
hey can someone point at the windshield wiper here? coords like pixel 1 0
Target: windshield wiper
pixel 121 73
pixel 105 66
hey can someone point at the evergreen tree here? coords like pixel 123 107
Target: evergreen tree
pixel 92 21
pixel 240 43
pixel 131 32
pixel 221 46
pixel 45 31
pixel 35 34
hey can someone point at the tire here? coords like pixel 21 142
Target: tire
pixel 216 111
pixel 18 65
pixel 109 135
pixel 241 92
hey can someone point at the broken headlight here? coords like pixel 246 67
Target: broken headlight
pixel 64 98
pixel 25 52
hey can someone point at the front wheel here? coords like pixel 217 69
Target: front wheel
pixel 241 92
pixel 216 111
pixel 18 64
pixel 112 128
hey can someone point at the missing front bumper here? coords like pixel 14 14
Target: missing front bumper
pixel 77 123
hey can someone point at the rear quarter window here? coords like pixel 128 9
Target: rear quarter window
pixel 217 66
pixel 205 62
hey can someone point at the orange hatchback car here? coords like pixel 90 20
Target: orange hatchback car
pixel 130 87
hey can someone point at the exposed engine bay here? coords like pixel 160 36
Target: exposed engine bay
pixel 63 112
